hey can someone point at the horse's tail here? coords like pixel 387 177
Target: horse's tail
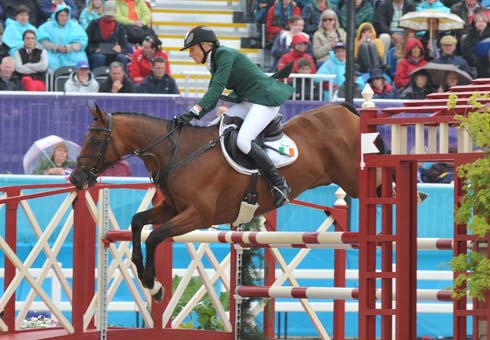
pixel 350 107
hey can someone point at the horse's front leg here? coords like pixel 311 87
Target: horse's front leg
pixel 183 223
pixel 159 214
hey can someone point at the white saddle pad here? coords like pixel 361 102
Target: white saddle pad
pixel 282 152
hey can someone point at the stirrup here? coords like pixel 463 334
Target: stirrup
pixel 282 198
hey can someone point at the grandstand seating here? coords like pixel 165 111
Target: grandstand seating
pixel 101 73
pixel 60 76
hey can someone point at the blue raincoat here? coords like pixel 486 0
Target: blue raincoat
pixel 66 35
pixel 87 16
pixel 12 36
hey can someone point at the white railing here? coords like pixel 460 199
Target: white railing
pixel 196 84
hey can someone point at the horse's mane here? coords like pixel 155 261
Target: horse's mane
pixel 146 116
pixel 137 114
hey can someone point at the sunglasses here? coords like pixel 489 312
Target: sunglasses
pixel 328 19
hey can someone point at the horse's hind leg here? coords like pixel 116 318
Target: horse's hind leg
pixel 159 214
pixel 180 224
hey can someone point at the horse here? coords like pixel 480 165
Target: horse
pixel 204 190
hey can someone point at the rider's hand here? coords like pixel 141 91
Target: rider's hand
pixel 185 118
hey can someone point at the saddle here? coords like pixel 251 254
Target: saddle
pixel 281 149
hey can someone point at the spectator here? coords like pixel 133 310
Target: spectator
pixel 81 4
pixel 368 49
pixel 448 54
pixel 158 81
pixel 419 87
pixel 311 15
pixel 93 11
pixel 107 39
pixel 386 19
pixel 141 61
pixel 49 7
pixel 260 11
pixel 450 79
pixel 306 88
pixel 432 5
pixel 82 80
pixel 10 9
pixel 136 17
pixel 466 8
pixel 326 37
pixel 282 42
pixel 430 39
pixel 364 14
pixel 414 58
pixel 334 65
pixel 117 82
pixel 8 80
pixel 278 17
pixel 478 31
pixel 299 47
pixel 381 89
pixel 57 164
pixel 397 52
pixel 14 30
pixel 4 49
pixel 31 63
pixel 64 39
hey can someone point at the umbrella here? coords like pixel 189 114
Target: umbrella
pixel 42 149
pixel 437 73
pixel 418 20
pixel 482 48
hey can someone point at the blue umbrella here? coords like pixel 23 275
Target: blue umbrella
pixel 482 47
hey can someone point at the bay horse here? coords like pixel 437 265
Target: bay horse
pixel 205 190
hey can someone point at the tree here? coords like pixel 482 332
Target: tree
pixel 474 208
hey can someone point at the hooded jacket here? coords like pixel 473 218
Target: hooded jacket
pixel 51 35
pixel 46 8
pixel 74 85
pixel 376 41
pixel 295 54
pixel 333 66
pixel 12 36
pixel 141 8
pixel 86 16
pixel 408 63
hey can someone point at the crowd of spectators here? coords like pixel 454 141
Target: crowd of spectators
pixel 114 37
pixel 393 59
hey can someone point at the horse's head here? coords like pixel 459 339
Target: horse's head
pixel 98 152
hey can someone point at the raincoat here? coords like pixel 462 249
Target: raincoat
pixel 72 35
pixel 12 36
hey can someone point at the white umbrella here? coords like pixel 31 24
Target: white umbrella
pixel 42 149
pixel 418 20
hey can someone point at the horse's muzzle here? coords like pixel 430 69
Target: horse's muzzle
pixel 80 180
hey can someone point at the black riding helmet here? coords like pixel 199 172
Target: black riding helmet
pixel 197 35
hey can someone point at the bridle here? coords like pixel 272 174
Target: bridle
pixel 101 163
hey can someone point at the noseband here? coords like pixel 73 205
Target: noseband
pixel 100 164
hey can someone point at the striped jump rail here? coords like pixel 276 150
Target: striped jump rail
pixel 337 293
pixel 278 239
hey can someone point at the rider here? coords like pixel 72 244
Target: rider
pixel 259 98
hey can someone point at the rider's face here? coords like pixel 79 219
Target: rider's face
pixel 195 52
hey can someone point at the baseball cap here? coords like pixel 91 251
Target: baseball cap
pixel 82 64
pixel 110 8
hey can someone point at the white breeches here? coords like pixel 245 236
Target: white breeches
pixel 255 118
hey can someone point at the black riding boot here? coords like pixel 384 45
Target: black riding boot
pixel 280 190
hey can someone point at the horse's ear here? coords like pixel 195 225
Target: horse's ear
pixel 95 110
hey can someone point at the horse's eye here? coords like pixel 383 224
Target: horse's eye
pixel 95 141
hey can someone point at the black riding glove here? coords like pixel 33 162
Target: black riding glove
pixel 185 118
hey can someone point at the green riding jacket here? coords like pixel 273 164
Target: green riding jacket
pixel 232 70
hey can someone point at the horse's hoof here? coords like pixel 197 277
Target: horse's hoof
pixel 157 292
pixel 158 297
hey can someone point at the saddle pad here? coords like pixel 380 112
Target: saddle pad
pixel 282 152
